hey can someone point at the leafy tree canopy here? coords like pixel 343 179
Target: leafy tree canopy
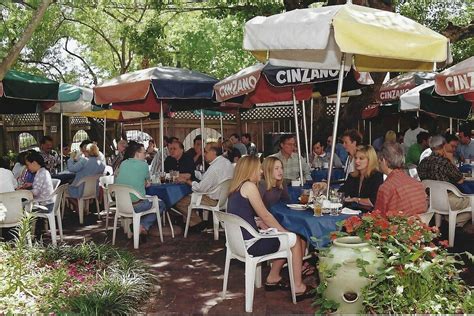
pixel 85 41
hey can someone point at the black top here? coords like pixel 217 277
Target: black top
pixel 197 164
pixel 238 205
pixel 274 195
pixel 184 165
pixel 369 188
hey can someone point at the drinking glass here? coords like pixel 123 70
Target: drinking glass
pixel 326 206
pixel 304 198
pixel 162 177
pixel 317 207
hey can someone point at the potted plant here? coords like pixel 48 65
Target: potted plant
pixel 417 274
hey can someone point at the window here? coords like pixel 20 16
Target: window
pixel 139 137
pixel 27 141
pixel 78 138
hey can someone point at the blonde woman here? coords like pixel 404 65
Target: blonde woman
pixel 362 185
pixel 89 165
pixel 272 188
pixel 245 201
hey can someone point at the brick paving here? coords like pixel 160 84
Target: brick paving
pixel 190 271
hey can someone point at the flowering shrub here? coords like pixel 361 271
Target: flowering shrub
pixel 86 278
pixel 419 276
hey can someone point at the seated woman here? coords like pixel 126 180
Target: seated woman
pixel 245 201
pixel 272 188
pixel 88 165
pixel 133 171
pixel 361 186
pixel 42 188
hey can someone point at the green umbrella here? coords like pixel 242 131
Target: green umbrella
pixel 21 92
pixel 448 106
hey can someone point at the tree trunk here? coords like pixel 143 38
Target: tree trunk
pixel 14 52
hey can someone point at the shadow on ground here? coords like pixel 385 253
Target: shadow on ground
pixel 190 271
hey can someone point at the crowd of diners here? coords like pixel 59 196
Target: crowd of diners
pixel 375 178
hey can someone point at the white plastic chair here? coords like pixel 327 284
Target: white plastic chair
pixel 109 203
pixel 223 189
pixel 56 183
pixel 12 203
pixel 439 204
pixel 236 249
pixel 55 214
pixel 89 193
pixel 124 208
pixel 108 171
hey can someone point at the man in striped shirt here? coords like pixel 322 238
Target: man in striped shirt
pixel 399 192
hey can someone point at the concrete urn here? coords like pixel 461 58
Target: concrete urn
pixel 339 268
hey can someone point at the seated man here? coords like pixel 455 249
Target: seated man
pixel 220 169
pixel 415 150
pixel 438 167
pixel 178 161
pixel 290 159
pixel 399 192
pixel 319 157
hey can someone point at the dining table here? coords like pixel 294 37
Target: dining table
pixel 170 193
pixel 315 229
pixel 66 177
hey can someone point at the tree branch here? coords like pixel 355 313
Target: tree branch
pixel 15 50
pixel 111 45
pixel 91 72
pixel 458 33
pixel 29 61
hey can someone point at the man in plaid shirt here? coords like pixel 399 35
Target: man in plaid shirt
pixel 290 159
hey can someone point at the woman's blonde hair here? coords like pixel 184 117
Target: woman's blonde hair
pixel 373 163
pixel 268 166
pixel 390 136
pixel 245 169
pixel 92 150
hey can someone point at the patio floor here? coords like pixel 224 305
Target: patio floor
pixel 190 271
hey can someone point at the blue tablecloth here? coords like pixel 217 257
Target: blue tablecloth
pixel 467 187
pixel 322 174
pixel 304 223
pixel 466 168
pixel 170 193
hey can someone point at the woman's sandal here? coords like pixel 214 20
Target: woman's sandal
pixel 280 285
pixel 308 293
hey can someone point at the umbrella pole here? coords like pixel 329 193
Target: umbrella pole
pixel 61 131
pixel 162 137
pixel 295 113
pixel 451 125
pixel 141 126
pixel 336 120
pixel 105 131
pixel 311 111
pixel 222 128
pixel 203 140
pixel 370 132
pixel 305 132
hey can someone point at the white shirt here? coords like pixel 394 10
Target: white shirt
pixel 8 183
pixel 410 136
pixel 220 169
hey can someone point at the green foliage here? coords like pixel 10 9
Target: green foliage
pixel 419 276
pixel 84 279
pixel 114 37
pixel 436 15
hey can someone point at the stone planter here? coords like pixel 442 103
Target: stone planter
pixel 339 268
